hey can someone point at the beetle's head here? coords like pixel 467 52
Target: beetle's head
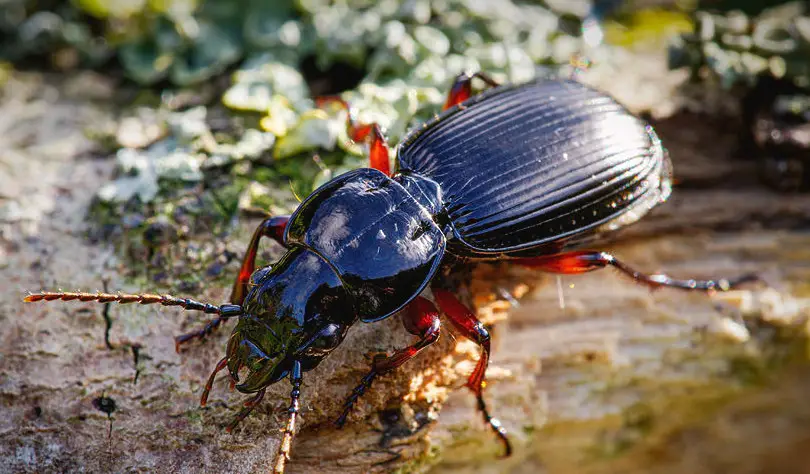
pixel 255 360
pixel 292 312
pixel 264 358
pixel 262 340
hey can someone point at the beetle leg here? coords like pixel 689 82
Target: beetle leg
pixel 420 318
pixel 470 327
pixel 363 132
pixel 210 383
pixel 271 227
pixel 462 88
pixel 587 260
pixel 292 414
pixel 197 334
pixel 249 406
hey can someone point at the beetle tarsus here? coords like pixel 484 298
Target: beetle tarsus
pixel 358 392
pixel 210 383
pixel 493 423
pixel 362 132
pixel 198 334
pixel 289 430
pixel 470 327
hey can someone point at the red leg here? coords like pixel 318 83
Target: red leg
pixel 470 327
pixel 587 260
pixel 363 132
pixel 462 88
pixel 210 383
pixel 272 227
pixel 420 318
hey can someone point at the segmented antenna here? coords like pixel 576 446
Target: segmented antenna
pixel 224 311
pixel 289 430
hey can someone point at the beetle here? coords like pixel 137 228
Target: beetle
pixel 524 172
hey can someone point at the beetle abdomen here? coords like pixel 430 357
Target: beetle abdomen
pixel 380 240
pixel 521 166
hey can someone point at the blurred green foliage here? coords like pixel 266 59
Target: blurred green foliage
pixel 226 122
pixel 404 55
pixel 736 47
pixel 189 41
pixel 197 149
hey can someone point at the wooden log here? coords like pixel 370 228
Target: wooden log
pixel 615 380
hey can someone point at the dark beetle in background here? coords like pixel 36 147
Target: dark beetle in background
pixel 521 172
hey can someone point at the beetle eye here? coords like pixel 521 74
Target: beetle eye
pixel 327 339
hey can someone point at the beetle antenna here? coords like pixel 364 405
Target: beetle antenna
pixel 224 311
pixel 289 430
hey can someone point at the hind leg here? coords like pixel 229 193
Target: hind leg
pixel 583 261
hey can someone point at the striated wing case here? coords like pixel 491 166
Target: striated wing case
pixel 521 166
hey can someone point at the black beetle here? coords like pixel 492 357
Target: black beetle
pixel 522 172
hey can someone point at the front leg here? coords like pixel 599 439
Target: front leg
pixel 420 318
pixel 272 227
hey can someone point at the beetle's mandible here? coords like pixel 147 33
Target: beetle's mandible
pixel 523 172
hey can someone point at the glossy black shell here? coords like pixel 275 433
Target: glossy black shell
pixel 518 170
pixel 382 243
pixel 539 163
